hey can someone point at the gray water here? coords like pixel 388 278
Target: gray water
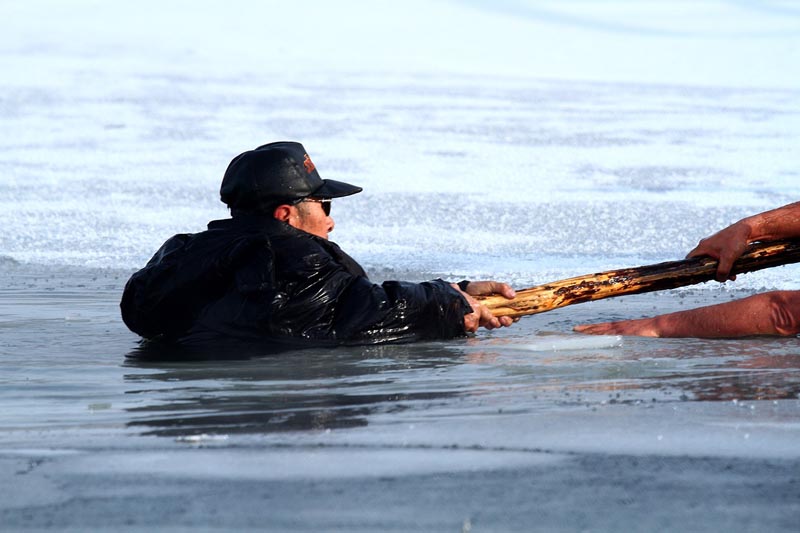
pixel 556 139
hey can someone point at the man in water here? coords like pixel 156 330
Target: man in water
pixel 270 273
pixel 771 313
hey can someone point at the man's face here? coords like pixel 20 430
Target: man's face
pixel 312 218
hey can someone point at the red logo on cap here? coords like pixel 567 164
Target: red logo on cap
pixel 308 164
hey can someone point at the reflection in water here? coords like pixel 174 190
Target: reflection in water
pixel 758 368
pixel 334 388
pixel 294 390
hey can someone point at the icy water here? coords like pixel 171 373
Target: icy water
pixel 556 139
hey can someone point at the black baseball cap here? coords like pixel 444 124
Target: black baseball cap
pixel 274 173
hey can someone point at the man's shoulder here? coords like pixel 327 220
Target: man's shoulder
pixel 298 251
pixel 221 242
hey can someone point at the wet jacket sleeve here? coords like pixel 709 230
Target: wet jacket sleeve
pixel 321 299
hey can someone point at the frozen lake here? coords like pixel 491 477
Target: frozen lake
pixel 526 142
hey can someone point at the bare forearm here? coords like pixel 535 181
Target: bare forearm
pixel 762 314
pixel 780 223
pixel 728 244
pixel 773 313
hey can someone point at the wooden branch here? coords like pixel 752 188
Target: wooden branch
pixel 657 277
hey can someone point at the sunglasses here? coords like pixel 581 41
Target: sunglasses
pixel 324 202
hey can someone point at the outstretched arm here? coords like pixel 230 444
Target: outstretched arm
pixel 728 244
pixel 771 313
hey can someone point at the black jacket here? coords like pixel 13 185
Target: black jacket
pixel 253 277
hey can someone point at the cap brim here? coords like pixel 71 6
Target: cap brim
pixel 335 189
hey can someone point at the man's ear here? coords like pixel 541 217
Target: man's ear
pixel 282 212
